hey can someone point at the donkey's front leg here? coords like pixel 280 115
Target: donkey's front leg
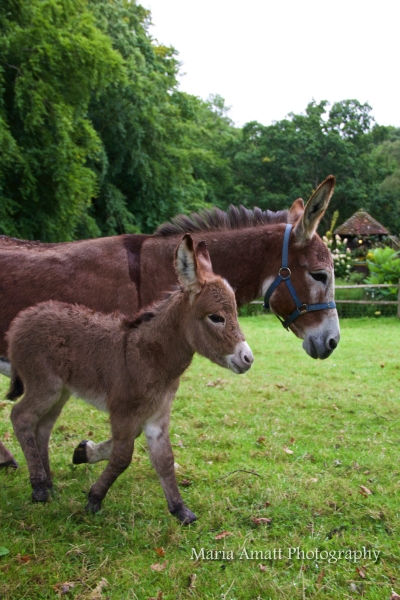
pixel 120 460
pixel 162 458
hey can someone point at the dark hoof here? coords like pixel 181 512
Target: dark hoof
pixel 80 455
pixel 40 494
pixel 93 507
pixel 10 463
pixel 184 515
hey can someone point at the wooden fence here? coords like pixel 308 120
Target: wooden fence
pixel 370 300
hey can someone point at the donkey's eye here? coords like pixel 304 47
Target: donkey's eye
pixel 216 318
pixel 322 277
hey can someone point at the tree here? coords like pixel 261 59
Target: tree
pixel 278 163
pixel 52 57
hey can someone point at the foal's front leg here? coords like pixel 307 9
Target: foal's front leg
pixel 124 433
pixel 162 458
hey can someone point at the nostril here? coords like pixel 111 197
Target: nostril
pixel 246 359
pixel 332 344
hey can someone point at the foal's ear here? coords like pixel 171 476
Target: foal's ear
pixel 192 266
pixel 314 210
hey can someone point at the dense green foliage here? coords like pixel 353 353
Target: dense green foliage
pixel 384 267
pixel 97 139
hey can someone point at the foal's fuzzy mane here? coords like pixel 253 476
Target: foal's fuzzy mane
pixel 215 218
pixel 149 312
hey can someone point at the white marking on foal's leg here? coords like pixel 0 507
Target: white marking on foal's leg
pixel 162 459
pixel 89 452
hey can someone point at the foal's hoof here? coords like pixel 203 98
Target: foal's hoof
pixel 10 463
pixel 93 506
pixel 80 454
pixel 40 494
pixel 184 515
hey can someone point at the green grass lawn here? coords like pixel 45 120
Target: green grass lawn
pixel 290 442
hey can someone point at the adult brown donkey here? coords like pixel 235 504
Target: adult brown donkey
pixel 129 368
pixel 127 272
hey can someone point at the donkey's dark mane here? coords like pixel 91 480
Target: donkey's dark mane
pixel 149 312
pixel 215 218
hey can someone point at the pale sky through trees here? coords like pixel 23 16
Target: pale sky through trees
pixel 267 58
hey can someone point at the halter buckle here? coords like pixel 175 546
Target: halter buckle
pixel 303 309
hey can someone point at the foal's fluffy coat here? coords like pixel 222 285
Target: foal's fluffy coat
pixel 130 369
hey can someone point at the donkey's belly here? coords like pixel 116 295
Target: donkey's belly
pixel 97 400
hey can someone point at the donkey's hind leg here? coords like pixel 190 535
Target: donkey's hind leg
pixel 25 417
pixel 43 432
pixel 89 452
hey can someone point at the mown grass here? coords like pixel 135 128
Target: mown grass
pixel 339 418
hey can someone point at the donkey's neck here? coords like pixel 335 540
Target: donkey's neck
pixel 162 341
pixel 246 258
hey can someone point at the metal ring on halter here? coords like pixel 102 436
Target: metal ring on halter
pixel 285 269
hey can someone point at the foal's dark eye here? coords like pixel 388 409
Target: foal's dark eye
pixel 216 318
pixel 322 277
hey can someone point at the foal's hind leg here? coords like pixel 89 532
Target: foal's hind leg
pixel 25 417
pixel 89 452
pixel 43 432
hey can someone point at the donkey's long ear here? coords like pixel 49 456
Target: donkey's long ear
pixel 314 210
pixel 192 266
pixel 296 211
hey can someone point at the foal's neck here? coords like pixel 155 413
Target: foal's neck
pixel 163 338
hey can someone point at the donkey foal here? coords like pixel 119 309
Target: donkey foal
pixel 130 369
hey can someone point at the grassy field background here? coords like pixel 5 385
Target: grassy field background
pixel 297 453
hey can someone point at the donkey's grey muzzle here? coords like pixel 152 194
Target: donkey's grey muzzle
pixel 242 359
pixel 319 346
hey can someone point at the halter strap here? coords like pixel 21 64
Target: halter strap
pixel 301 307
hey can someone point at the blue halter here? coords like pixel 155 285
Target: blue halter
pixel 301 308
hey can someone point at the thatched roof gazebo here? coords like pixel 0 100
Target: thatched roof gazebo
pixel 361 230
pixel 361 224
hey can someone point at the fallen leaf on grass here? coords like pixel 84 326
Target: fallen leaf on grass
pixel 262 521
pixel 262 568
pixel 361 572
pixel 291 441
pixel 6 435
pixel 287 450
pixel 158 597
pixel 64 588
pixel 320 578
pixel 222 535
pixel 313 480
pixel 23 560
pixel 159 566
pixel 192 581
pixel 394 596
pixel 261 439
pixel 185 483
pixel 96 593
pixel 160 551
pixel 3 551
pixel 281 387
pixel 364 491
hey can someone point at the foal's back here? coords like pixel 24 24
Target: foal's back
pixel 72 345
